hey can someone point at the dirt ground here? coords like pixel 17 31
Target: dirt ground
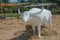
pixel 14 29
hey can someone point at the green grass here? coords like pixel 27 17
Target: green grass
pixel 16 14
pixel 55 10
pixel 10 15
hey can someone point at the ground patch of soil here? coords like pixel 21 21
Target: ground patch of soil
pixel 14 29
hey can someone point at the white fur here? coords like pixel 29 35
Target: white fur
pixel 37 17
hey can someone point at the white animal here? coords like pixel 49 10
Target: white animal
pixel 37 17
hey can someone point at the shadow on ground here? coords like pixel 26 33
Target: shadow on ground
pixel 26 35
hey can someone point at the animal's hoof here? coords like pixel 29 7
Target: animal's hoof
pixel 39 36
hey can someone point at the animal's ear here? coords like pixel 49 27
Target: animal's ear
pixel 24 13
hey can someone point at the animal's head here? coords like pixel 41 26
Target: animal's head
pixel 25 16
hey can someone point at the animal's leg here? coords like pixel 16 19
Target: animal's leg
pixel 46 23
pixel 39 30
pixel 33 28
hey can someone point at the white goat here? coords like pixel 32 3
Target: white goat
pixel 37 17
